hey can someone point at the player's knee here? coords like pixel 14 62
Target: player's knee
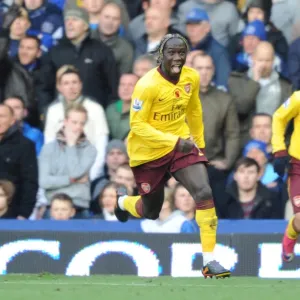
pixel 202 193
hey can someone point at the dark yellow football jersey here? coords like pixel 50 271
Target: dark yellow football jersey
pixel 161 112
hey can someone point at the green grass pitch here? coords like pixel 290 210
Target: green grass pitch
pixel 52 287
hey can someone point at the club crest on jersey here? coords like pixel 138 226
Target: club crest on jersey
pixel 177 93
pixel 187 87
pixel 137 104
pixel 296 201
pixel 146 187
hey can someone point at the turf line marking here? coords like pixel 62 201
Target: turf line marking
pixel 134 284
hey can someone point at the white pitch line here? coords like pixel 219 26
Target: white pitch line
pixel 133 284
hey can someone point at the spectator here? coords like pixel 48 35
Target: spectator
pixel 261 10
pixel 18 164
pixel 190 57
pixel 220 117
pixel 45 18
pixel 62 207
pixel 169 221
pixel 261 129
pixel 294 64
pixel 17 31
pixel 7 191
pixel 257 150
pixel 16 103
pixel 244 91
pixel 116 155
pixel 124 176
pixel 93 7
pixel 285 16
pixel 94 61
pixel 273 90
pixel 69 85
pixel 109 24
pixel 221 125
pixel 253 34
pixel 21 27
pixel 143 64
pixel 64 164
pixel 118 113
pixel 137 26
pixel 246 197
pixel 107 202
pixel 199 33
pixel 29 54
pixel 223 15
pixel 157 24
pixel 183 201
pixel 14 79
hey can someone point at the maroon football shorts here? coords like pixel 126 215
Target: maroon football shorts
pixel 294 184
pixel 153 175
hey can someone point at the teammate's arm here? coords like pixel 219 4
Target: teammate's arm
pixel 142 100
pixel 282 116
pixel 194 115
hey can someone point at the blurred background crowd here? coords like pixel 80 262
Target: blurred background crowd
pixel 67 72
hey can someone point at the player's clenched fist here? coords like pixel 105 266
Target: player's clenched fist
pixel 185 146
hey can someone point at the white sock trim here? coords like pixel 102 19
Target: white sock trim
pixel 207 257
pixel 121 201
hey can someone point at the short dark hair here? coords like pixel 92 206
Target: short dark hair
pixel 260 115
pixel 20 98
pixel 32 37
pixel 8 188
pixel 62 197
pixel 246 162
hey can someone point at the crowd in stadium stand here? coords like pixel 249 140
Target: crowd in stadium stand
pixel 67 73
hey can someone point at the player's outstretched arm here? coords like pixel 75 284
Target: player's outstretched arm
pixel 194 115
pixel 287 111
pixel 142 100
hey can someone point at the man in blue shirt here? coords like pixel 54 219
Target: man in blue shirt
pixel 20 112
